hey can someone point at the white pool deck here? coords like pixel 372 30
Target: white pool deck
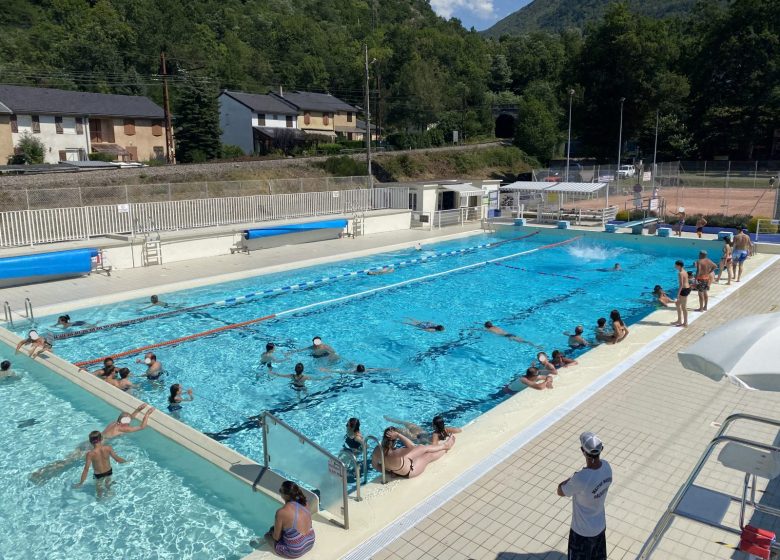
pixel 493 496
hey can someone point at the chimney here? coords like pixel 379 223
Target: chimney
pixel 281 91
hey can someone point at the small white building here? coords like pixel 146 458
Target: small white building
pixel 252 121
pixel 449 202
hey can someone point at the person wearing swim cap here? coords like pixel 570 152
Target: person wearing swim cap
pixel 38 344
pixel 154 368
pixel 426 326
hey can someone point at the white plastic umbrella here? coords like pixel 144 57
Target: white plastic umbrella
pixel 745 350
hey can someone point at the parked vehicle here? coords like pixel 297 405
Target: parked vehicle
pixel 627 171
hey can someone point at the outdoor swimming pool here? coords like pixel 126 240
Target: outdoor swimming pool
pixel 166 502
pixel 538 293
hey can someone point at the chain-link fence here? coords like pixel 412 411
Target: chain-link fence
pixel 72 197
pixel 746 188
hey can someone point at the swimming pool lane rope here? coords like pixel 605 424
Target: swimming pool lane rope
pixel 279 314
pixel 292 287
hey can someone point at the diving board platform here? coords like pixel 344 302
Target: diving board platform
pixel 635 226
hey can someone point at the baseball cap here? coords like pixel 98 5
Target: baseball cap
pixel 591 443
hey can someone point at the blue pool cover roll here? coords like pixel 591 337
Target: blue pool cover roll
pixel 41 266
pixel 294 228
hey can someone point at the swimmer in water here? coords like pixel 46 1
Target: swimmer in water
pixel 298 378
pixel 381 271
pixel 99 458
pixel 615 268
pixel 154 301
pixel 123 382
pixel 267 357
pixel 121 426
pixel 38 344
pixel 576 339
pixel 426 326
pixel 318 349
pixel 5 370
pixel 176 398
pixel 561 361
pixel 108 371
pixel 535 380
pixel 491 328
pixel 359 369
pixel 662 297
pixel 154 369
pixel 65 322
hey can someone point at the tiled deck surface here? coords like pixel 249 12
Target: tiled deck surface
pixel 655 421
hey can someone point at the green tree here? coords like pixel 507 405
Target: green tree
pixel 197 122
pixel 29 149
pixel 735 74
pixel 537 131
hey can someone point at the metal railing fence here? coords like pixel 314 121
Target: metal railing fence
pixel 30 227
pixel 70 197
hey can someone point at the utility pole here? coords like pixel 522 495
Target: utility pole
pixel 170 151
pixel 620 148
pixel 655 147
pixel 368 124
pixel 568 142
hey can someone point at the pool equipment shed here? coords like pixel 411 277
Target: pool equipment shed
pixel 446 203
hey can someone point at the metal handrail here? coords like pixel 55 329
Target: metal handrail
pixel 663 524
pixel 8 315
pixel 381 457
pixel 351 458
pixel 303 439
pixel 28 310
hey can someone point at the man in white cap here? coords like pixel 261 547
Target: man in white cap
pixel 588 490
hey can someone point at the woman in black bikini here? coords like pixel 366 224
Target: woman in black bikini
pixel 354 439
pixel 410 460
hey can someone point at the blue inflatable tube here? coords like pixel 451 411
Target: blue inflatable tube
pixel 294 228
pixel 42 267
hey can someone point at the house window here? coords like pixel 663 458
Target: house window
pixel 157 128
pixel 63 155
pixel 36 123
pixel 289 121
pixel 79 125
pixel 349 116
pixel 325 118
pixel 159 153
pixel 260 119
pixel 58 125
pixel 14 124
pixel 129 127
pixel 412 201
pixel 306 118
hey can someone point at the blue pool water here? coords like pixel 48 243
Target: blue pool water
pixel 166 502
pixel 458 373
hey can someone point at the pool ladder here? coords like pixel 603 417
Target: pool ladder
pixel 9 314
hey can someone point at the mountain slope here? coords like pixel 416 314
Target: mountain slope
pixel 556 15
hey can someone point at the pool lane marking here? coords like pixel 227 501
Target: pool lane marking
pixel 396 528
pixel 271 291
pixel 537 271
pixel 319 303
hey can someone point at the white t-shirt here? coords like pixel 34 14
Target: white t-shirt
pixel 588 490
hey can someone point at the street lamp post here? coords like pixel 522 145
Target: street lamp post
pixel 568 143
pixel 655 147
pixel 620 147
pixel 368 125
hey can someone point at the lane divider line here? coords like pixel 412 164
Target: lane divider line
pixel 321 303
pixel 291 287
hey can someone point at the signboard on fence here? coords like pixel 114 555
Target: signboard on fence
pixel 493 200
pixel 653 204
pixel 123 208
pixel 647 176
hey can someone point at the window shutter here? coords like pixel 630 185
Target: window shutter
pixel 156 128
pixel 260 119
pixel 129 127
pixel 306 118
pixel 325 119
pixel 289 121
pixel 58 125
pixel 79 125
pixel 14 124
pixel 36 123
pixel 349 116
pixel 63 155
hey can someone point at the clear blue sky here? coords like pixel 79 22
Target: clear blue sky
pixel 480 14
